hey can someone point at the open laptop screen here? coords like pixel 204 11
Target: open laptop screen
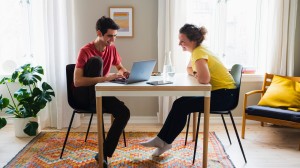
pixel 140 71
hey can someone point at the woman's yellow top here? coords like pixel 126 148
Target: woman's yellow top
pixel 220 78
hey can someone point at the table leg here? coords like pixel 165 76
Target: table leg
pixel 100 129
pixel 206 130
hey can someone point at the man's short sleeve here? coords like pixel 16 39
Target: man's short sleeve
pixel 117 59
pixel 82 59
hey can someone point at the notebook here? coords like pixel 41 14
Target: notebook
pixel 140 71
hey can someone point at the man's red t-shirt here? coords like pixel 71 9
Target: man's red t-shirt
pixel 110 56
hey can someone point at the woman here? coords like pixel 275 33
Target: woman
pixel 206 68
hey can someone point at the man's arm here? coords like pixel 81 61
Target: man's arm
pixel 80 80
pixel 123 71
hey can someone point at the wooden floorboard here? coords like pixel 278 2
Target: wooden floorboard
pixel 265 147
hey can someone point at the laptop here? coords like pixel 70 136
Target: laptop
pixel 140 71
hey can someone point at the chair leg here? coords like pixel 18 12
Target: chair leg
pixel 226 128
pixel 124 138
pixel 243 124
pixel 187 129
pixel 196 140
pixel 88 130
pixel 62 151
pixel 237 135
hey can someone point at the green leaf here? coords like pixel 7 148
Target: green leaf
pixel 3 102
pixel 27 78
pixel 30 75
pixel 22 94
pixel 37 77
pixel 25 66
pixel 14 76
pixel 36 91
pixel 39 70
pixel 5 80
pixel 46 94
pixel 25 112
pixel 2 122
pixel 30 128
pixel 46 86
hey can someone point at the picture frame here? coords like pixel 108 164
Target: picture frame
pixel 123 16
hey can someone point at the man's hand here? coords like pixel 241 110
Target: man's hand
pixel 126 74
pixel 113 76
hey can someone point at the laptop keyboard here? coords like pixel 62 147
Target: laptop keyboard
pixel 119 80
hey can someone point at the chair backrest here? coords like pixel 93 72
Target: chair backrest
pixel 70 78
pixel 268 81
pixel 236 73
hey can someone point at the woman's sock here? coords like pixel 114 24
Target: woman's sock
pixel 155 142
pixel 160 151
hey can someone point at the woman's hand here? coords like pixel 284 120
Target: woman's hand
pixel 195 74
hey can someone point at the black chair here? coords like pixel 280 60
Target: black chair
pixel 236 72
pixel 69 73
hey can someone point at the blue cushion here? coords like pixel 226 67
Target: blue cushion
pixel 275 113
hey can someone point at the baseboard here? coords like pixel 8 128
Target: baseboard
pixel 133 119
pixel 154 120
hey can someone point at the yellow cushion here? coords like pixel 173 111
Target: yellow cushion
pixel 282 93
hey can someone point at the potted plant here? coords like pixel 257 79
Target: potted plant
pixel 29 99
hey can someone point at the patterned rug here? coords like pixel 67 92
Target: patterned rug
pixel 44 151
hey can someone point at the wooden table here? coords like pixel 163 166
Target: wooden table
pixel 184 85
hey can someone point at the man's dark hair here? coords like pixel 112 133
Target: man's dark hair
pixel 105 23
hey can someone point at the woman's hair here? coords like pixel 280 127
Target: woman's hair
pixel 105 23
pixel 194 33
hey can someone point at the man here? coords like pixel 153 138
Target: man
pixel 93 66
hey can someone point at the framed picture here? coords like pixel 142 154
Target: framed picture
pixel 123 16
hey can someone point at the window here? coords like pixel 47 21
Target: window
pixel 15 44
pixel 231 28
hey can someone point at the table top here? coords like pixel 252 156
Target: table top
pixel 183 85
pixel 181 81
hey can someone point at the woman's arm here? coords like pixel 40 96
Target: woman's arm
pixel 189 69
pixel 203 74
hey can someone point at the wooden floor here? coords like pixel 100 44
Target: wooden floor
pixel 265 147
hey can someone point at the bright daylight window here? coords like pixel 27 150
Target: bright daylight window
pixel 15 48
pixel 231 29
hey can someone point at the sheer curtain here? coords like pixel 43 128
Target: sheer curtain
pixel 170 19
pixel 275 35
pixel 53 49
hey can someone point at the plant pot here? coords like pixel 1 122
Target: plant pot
pixel 20 124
